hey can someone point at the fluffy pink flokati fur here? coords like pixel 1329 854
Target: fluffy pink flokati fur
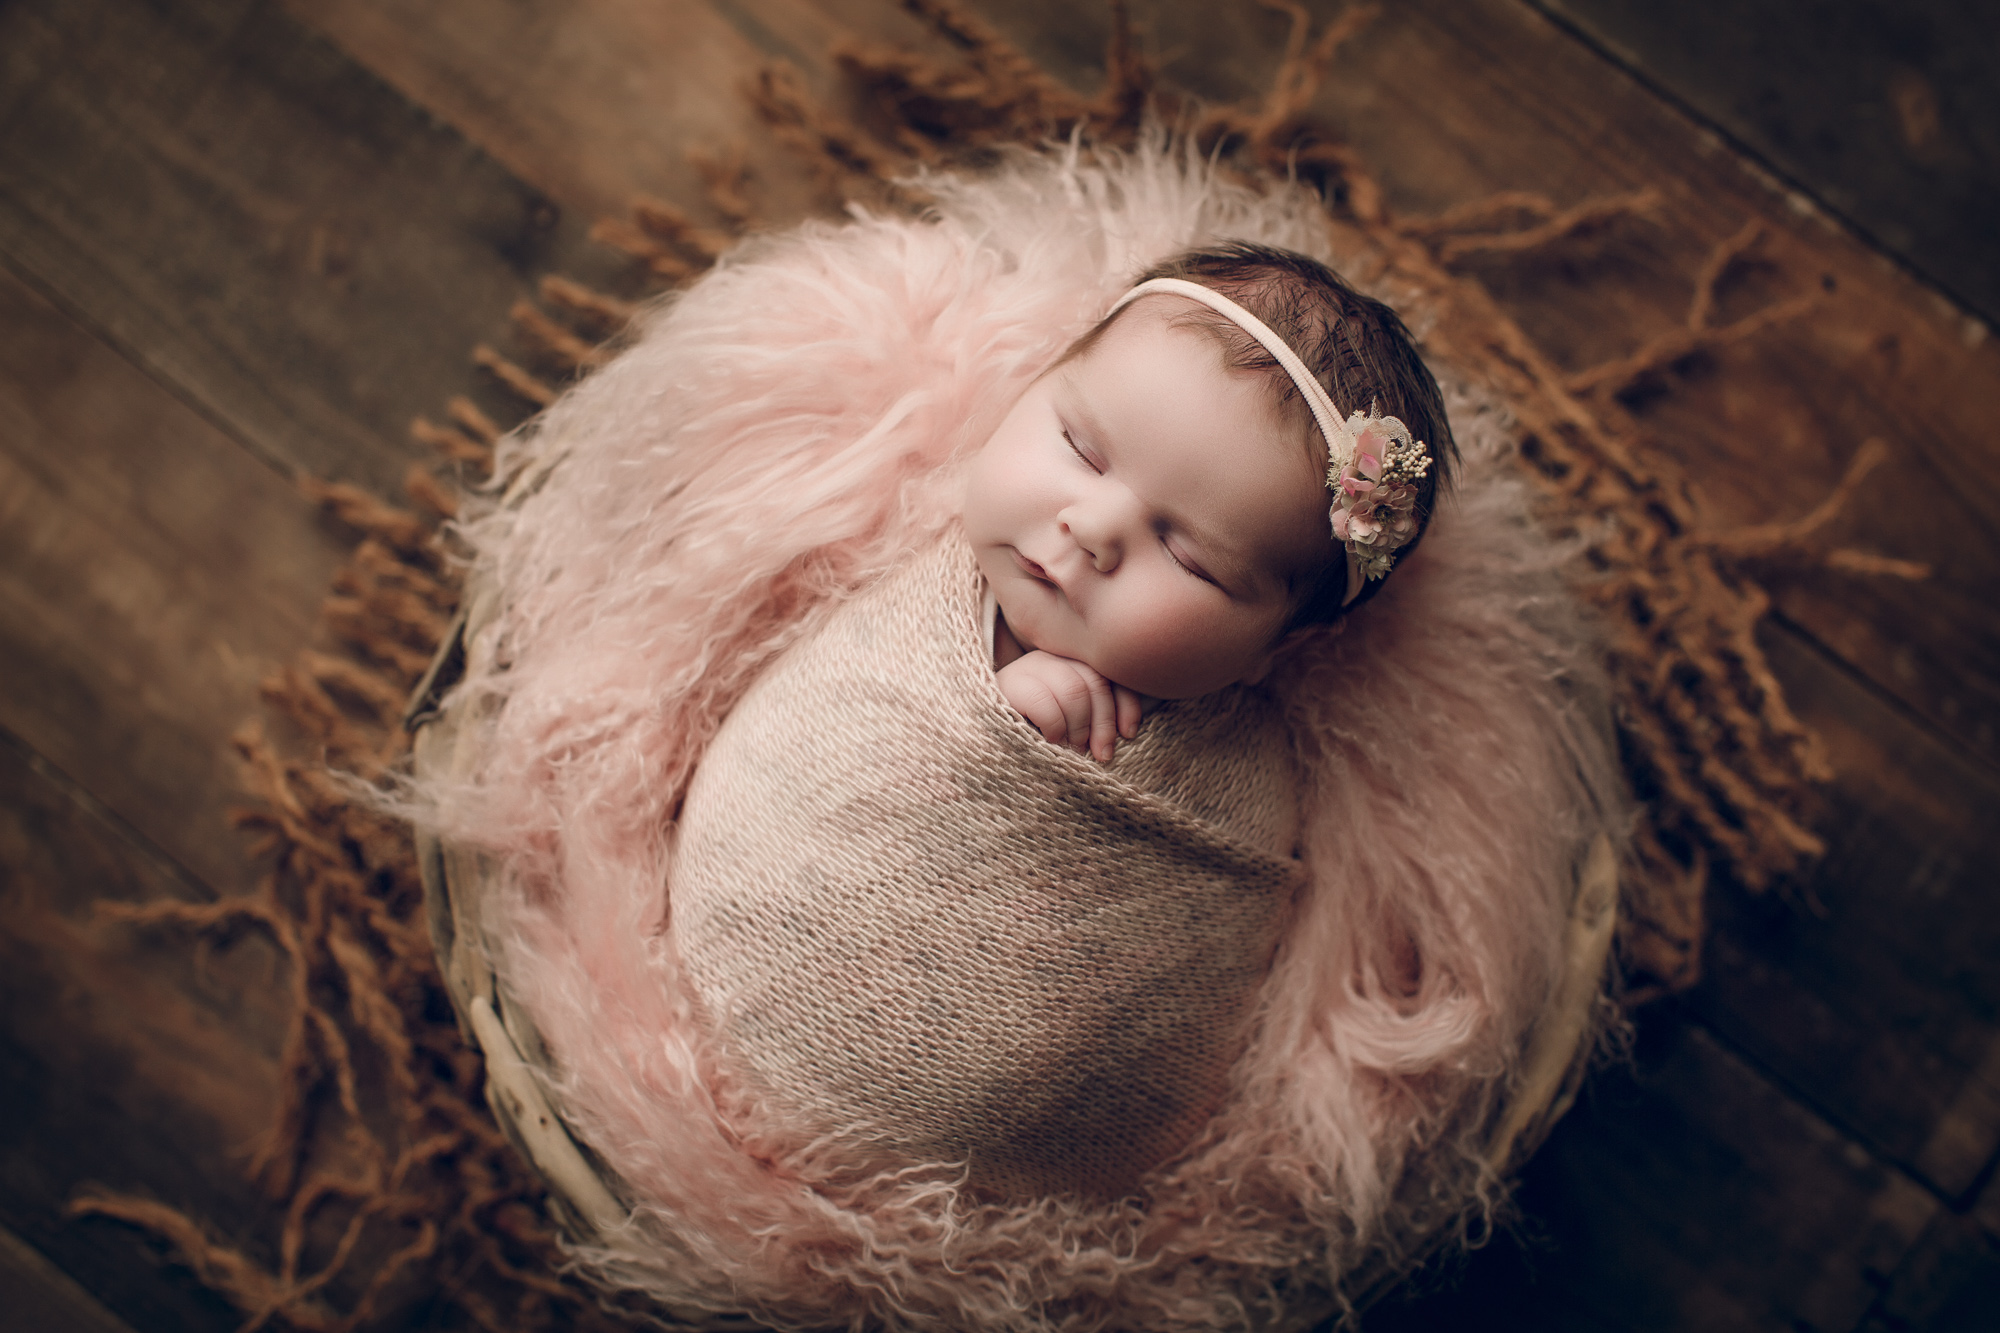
pixel 781 434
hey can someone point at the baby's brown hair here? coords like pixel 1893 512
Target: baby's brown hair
pixel 1356 346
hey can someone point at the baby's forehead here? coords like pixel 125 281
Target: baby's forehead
pixel 1091 372
pixel 1163 324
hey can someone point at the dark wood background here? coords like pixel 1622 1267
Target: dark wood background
pixel 244 239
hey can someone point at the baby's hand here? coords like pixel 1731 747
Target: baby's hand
pixel 1070 703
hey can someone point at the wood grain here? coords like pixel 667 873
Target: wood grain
pixel 596 102
pixel 1949 1283
pixel 37 1295
pixel 128 1059
pixel 272 232
pixel 1874 991
pixel 152 573
pixel 306 257
pixel 1886 112
pixel 1689 1193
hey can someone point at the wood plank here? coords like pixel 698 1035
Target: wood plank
pixel 595 102
pixel 39 1296
pixel 1949 1283
pixel 1886 112
pixel 1986 1209
pixel 126 1061
pixel 302 254
pixel 1876 991
pixel 152 573
pixel 1689 1193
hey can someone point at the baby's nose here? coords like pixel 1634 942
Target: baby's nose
pixel 1099 526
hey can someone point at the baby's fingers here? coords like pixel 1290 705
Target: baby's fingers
pixel 1057 699
pixel 1119 711
pixel 1130 711
pixel 1086 702
pixel 1042 705
pixel 1094 727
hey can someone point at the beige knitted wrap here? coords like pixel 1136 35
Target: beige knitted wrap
pixel 912 920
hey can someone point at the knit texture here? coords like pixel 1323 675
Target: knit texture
pixel 914 921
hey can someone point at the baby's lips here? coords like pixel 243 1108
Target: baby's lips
pixel 1034 569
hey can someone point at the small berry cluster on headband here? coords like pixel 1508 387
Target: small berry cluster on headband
pixel 1373 470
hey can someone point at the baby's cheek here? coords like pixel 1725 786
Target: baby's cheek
pixel 1162 649
pixel 1190 646
pixel 991 494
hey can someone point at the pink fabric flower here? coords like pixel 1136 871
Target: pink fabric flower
pixel 1374 496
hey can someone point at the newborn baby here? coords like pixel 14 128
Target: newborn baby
pixel 913 924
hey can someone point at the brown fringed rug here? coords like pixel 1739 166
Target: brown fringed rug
pixel 400 1196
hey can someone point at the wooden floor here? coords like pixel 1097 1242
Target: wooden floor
pixel 242 239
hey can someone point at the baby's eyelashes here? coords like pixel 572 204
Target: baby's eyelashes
pixel 1187 563
pixel 1088 460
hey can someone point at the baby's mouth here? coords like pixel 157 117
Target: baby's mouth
pixel 1034 570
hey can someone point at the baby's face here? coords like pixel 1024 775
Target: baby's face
pixel 1145 511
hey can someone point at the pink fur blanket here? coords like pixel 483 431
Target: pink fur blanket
pixel 781 438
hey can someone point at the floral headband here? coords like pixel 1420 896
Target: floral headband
pixel 1372 462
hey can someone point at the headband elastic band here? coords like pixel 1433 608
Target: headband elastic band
pixel 1323 410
